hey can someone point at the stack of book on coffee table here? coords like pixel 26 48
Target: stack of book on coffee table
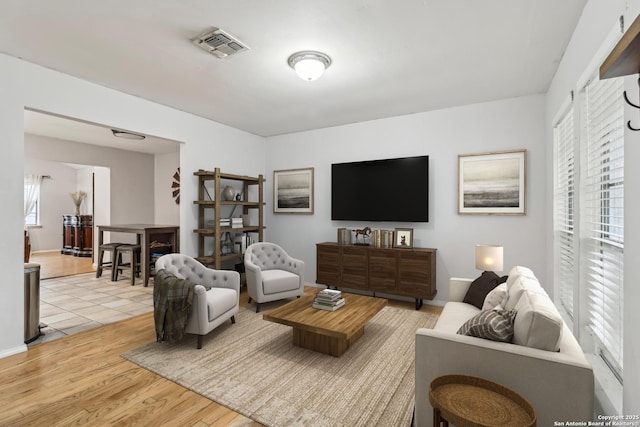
pixel 329 300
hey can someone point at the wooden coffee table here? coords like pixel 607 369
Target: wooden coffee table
pixel 329 332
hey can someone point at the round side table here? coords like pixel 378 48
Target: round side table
pixel 468 401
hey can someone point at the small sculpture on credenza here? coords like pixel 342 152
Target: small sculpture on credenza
pixel 365 233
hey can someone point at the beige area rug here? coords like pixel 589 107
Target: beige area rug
pixel 253 368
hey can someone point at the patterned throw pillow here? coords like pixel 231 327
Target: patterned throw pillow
pixel 495 325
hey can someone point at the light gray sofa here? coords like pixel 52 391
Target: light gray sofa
pixel 557 380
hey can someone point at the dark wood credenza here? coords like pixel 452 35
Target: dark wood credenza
pixel 77 235
pixel 394 271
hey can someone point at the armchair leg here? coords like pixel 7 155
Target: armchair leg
pixel 200 341
pixel 233 319
pixel 257 307
pixel 249 302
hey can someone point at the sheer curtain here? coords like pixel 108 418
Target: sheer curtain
pixel 31 192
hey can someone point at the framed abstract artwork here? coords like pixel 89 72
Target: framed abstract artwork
pixel 492 183
pixel 293 191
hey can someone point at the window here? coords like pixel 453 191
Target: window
pixel 602 216
pixel 563 210
pixel 32 217
pixel 32 199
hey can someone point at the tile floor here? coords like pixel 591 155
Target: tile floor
pixel 76 303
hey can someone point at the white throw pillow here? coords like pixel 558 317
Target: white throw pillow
pixel 521 285
pixel 519 271
pixel 498 296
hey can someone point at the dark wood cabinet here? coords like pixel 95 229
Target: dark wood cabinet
pixel 393 271
pixel 77 235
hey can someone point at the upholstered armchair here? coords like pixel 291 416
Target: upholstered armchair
pixel 216 296
pixel 272 274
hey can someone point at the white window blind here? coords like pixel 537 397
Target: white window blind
pixel 563 206
pixel 602 216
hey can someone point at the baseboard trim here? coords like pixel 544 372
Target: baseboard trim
pixel 11 351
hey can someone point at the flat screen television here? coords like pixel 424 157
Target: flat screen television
pixel 381 190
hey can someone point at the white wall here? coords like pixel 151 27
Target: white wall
pixel 598 18
pixel 131 177
pixel 166 210
pixel 207 144
pixel 442 135
pixel 54 202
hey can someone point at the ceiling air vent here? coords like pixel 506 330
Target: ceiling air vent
pixel 220 43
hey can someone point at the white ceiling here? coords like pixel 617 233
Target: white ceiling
pixel 73 130
pixel 389 57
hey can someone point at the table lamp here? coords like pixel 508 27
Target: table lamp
pixel 489 257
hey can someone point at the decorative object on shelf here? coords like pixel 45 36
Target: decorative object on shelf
pixel 228 193
pixel 293 191
pixel 175 186
pixel 78 197
pixel 492 183
pixel 365 232
pixel 344 236
pixel 489 257
pixel 382 238
pixel 403 238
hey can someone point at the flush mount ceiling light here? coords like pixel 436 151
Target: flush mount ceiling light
pixel 309 64
pixel 127 135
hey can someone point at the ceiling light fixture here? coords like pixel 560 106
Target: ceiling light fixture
pixel 309 64
pixel 127 135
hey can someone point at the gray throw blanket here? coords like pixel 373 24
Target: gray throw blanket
pixel 172 301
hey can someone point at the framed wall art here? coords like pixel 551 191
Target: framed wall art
pixel 403 238
pixel 492 183
pixel 293 191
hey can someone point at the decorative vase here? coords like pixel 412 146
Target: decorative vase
pixel 228 193
pixel 77 210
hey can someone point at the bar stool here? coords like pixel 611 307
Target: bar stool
pixel 133 265
pixel 106 247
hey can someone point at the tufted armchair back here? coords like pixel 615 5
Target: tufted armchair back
pixel 188 268
pixel 269 256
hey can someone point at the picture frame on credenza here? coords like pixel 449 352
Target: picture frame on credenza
pixel 403 238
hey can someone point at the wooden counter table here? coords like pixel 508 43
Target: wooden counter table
pixel 145 234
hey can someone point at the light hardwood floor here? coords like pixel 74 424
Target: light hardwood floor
pixel 82 380
pixel 54 264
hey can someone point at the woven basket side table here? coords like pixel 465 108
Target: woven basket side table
pixel 468 401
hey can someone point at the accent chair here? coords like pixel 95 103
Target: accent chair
pixel 272 274
pixel 216 296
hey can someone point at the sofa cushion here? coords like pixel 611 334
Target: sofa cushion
pixel 538 323
pixel 453 315
pixel 480 287
pixel 497 296
pixel 276 281
pixel 219 301
pixel 495 325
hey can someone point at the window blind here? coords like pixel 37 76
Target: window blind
pixel 564 205
pixel 602 216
